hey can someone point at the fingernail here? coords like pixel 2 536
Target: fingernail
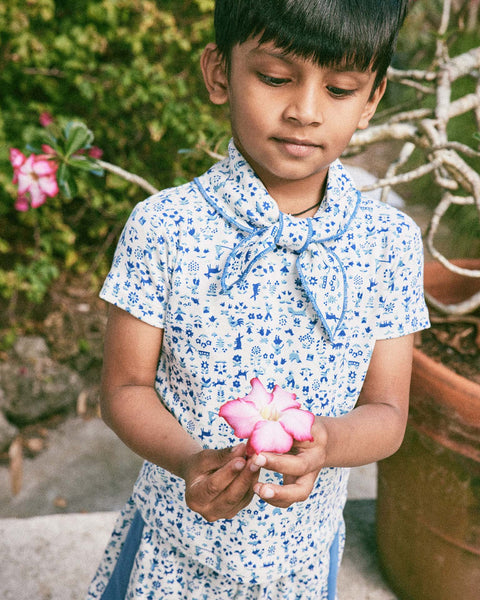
pixel 268 493
pixel 238 465
pixel 257 463
pixel 260 460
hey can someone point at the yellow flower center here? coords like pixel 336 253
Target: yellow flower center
pixel 270 413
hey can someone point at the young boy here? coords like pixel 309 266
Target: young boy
pixel 269 265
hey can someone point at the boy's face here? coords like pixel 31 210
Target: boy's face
pixel 290 117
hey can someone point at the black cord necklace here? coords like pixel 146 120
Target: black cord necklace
pixel 302 212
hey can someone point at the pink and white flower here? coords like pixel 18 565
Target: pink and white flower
pixel 270 421
pixel 36 178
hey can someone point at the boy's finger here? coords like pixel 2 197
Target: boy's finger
pixel 242 485
pixel 212 460
pixel 207 487
pixel 287 464
pixel 234 479
pixel 285 495
pixel 224 455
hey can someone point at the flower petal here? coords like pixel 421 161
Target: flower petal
pixel 283 400
pixel 47 150
pixel 45 119
pixel 49 186
pixel 26 168
pixel 24 182
pixel 22 204
pixel 95 152
pixel 17 158
pixel 298 423
pixel 242 415
pixel 38 200
pixel 258 394
pixel 43 167
pixel 37 196
pixel 269 436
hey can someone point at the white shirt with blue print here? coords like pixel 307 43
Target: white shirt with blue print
pixel 243 291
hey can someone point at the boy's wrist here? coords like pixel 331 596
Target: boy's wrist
pixel 185 459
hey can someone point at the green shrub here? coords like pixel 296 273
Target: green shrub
pixel 130 70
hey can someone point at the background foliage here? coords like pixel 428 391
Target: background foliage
pixel 130 70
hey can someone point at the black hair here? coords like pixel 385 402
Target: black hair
pixel 357 34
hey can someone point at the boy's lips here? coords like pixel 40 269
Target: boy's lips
pixel 297 147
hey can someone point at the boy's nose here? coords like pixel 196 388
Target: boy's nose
pixel 304 107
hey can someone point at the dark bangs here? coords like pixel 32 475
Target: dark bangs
pixel 348 34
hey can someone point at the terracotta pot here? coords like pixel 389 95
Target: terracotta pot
pixel 428 506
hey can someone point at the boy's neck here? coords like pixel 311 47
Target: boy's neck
pixel 294 197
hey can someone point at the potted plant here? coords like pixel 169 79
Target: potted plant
pixel 428 504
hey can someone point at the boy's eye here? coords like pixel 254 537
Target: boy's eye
pixel 273 81
pixel 339 92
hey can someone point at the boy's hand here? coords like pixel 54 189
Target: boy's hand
pixel 218 483
pixel 300 468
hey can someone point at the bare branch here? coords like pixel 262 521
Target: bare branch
pixel 131 177
pixel 427 128
pixel 464 64
pixel 383 133
pixel 447 201
pixel 404 177
pixel 463 148
pixel 413 74
pixel 447 6
pixel 405 153
pixel 464 105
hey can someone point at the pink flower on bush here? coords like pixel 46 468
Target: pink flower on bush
pixel 48 151
pixel 95 152
pixel 270 421
pixel 36 178
pixel 45 119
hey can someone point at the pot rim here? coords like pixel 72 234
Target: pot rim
pixel 441 375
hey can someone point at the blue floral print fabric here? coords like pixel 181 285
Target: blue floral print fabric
pixel 243 291
pixel 167 571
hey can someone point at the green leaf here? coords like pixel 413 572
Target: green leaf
pixel 66 181
pixel 77 136
pixel 85 163
pixel 38 138
pixel 96 169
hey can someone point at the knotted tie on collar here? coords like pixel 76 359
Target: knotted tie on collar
pixel 243 201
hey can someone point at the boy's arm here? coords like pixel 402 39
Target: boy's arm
pixel 372 431
pixel 217 483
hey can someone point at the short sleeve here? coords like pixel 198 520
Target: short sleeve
pixel 401 303
pixel 138 281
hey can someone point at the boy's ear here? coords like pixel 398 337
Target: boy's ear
pixel 371 105
pixel 214 74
